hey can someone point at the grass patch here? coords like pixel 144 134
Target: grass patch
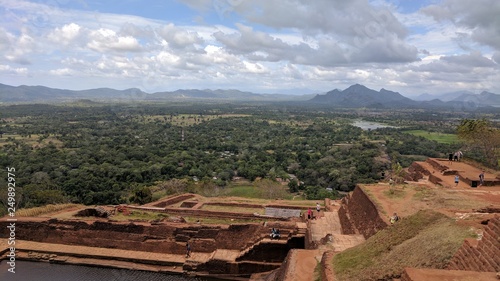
pixel 317 272
pixel 263 189
pixel 218 220
pixel 140 216
pixel 247 191
pixel 395 192
pixel 426 239
pixel 435 136
pixel 37 211
pixel 423 193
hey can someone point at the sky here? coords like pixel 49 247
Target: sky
pixel 263 46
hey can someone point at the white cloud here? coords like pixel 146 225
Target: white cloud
pixel 7 69
pixel 256 45
pixel 177 37
pixel 66 34
pixel 480 17
pixel 61 72
pixel 104 40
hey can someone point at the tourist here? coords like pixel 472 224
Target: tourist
pixel 450 158
pixel 275 233
pixel 318 208
pixel 394 218
pixel 456 180
pixel 188 250
pixel 481 178
pixel 309 214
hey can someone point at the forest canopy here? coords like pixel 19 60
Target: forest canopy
pixel 106 154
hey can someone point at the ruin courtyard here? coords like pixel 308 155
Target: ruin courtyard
pixel 230 237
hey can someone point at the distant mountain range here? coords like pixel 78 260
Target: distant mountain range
pixel 484 98
pixel 355 96
pixel 26 94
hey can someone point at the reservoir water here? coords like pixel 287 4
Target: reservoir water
pixel 368 125
pixel 43 271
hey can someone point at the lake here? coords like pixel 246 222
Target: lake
pixel 43 271
pixel 368 125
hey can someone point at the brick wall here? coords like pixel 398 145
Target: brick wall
pixel 345 221
pixel 362 213
pixel 480 255
pixel 435 163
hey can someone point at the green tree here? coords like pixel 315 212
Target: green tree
pixel 481 135
pixel 142 195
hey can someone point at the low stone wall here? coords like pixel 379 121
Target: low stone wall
pixel 435 163
pixel 327 272
pixel 434 179
pixel 482 255
pixel 420 274
pixel 362 214
pixel 172 200
pixel 159 238
pixel 416 172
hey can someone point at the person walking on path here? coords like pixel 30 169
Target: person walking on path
pixel 456 180
pixel 318 208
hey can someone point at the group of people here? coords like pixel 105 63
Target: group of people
pixel 310 214
pixel 457 156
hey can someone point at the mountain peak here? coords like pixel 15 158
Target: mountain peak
pixel 359 95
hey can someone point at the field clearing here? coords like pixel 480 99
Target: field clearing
pixel 438 137
pixel 186 119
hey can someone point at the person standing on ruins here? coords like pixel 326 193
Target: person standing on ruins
pixel 481 178
pixel 188 250
pixel 318 208
pixel 309 214
pixel 456 180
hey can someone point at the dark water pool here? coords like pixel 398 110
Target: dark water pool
pixel 42 271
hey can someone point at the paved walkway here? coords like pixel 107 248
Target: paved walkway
pixel 329 223
pixel 301 263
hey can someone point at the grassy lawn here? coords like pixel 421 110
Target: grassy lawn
pixel 43 210
pixel 439 137
pixel 247 191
